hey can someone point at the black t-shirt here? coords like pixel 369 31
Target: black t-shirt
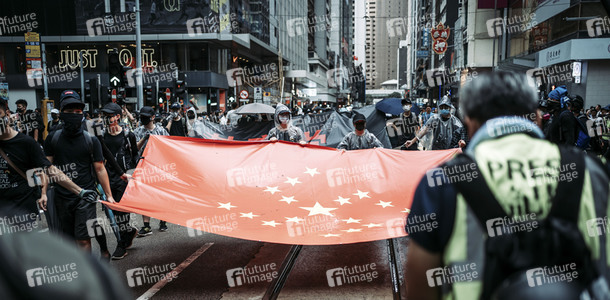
pixel 409 125
pixel 72 155
pixel 26 154
pixel 115 144
pixel 177 128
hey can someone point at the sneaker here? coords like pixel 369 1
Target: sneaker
pixel 131 237
pixel 145 231
pixel 119 253
pixel 162 226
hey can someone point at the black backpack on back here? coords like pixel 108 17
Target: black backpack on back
pixel 512 259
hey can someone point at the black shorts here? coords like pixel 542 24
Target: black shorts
pixel 75 216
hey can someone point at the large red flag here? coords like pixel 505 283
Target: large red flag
pixel 278 192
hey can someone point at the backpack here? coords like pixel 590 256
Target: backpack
pixel 88 141
pixel 512 259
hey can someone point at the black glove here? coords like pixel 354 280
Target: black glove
pixel 88 195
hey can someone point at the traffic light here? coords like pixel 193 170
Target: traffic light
pixel 115 69
pixel 104 95
pixel 180 90
pixel 148 96
pixel 91 93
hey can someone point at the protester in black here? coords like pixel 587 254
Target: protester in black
pixel 175 123
pixel 18 193
pixel 29 123
pixel 55 123
pixel 83 153
pixel 122 145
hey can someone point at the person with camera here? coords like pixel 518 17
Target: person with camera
pixel 175 124
pixel 142 134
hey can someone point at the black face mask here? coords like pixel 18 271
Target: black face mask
pixel 145 120
pixel 73 123
pixel 191 117
pixel 54 116
pixel 360 126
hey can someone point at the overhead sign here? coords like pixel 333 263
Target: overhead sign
pixel 243 94
pixel 32 45
pixel 258 93
pixel 115 81
pixel 423 53
pixel 440 35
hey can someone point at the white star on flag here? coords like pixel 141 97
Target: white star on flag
pixel 292 181
pixel 342 200
pixel 406 210
pixel 296 220
pixel 318 209
pixel 248 215
pixel 371 225
pixel 288 199
pixel 353 230
pixel 351 220
pixel 270 223
pixel 227 205
pixel 384 204
pixel 330 235
pixel 312 172
pixel 272 190
pixel 362 194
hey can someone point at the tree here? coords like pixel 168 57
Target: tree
pixel 395 95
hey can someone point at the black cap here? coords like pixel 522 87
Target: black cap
pixel 112 108
pixel 359 117
pixel 70 97
pixel 175 105
pixel 405 101
pixel 147 111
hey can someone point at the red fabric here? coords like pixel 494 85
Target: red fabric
pixel 349 197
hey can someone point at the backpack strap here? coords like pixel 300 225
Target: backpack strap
pixel 55 138
pixel 477 194
pixel 566 202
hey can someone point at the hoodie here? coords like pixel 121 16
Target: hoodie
pixel 194 126
pixel 291 133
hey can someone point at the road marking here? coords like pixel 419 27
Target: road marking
pixel 173 273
